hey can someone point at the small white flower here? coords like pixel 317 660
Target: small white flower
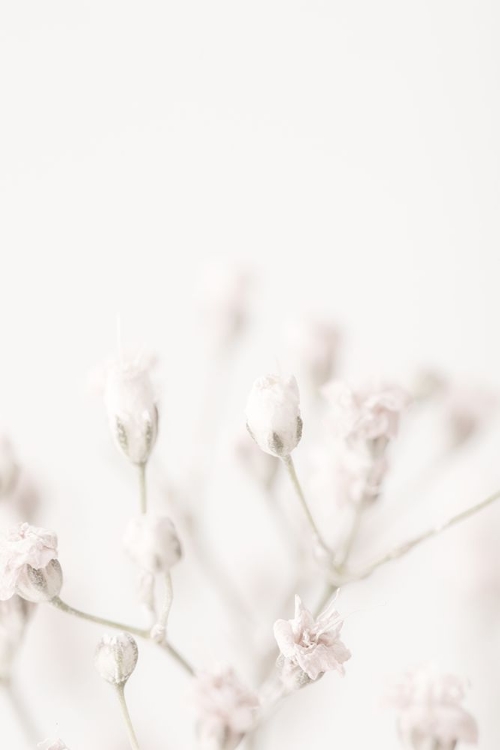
pixel 52 745
pixel 131 406
pixel 152 543
pixel 370 414
pixel 312 645
pixel 116 657
pixel 28 558
pixel 14 616
pixel 430 709
pixel 273 414
pixel 226 709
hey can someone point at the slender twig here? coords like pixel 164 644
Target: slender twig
pixel 120 691
pixel 402 549
pixel 140 632
pixel 143 487
pixel 288 461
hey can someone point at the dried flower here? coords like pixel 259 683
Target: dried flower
pixel 430 710
pixel 14 615
pixel 26 554
pixel 312 645
pixel 52 745
pixel 370 414
pixel 226 709
pixel 314 346
pixel 131 406
pixel 116 657
pixel 273 414
pixel 152 543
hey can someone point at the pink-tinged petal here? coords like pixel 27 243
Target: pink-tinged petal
pixel 284 638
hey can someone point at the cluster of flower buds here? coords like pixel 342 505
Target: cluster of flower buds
pixel 29 565
pixel 226 709
pixel 430 711
pixel 365 421
pixel 310 646
pixel 116 657
pixel 132 409
pixel 273 414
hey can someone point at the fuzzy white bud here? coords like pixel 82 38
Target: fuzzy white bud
pixel 152 543
pixel 116 657
pixel 273 414
pixel 39 585
pixel 132 411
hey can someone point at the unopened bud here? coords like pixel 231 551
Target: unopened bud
pixel 273 414
pixel 152 543
pixel 116 657
pixel 40 584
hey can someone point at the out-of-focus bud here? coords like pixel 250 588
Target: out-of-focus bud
pixel 116 657
pixel 468 409
pixel 39 585
pixel 224 302
pixel 273 414
pixel 131 406
pixel 259 465
pixel 14 616
pixel 52 745
pixel 152 543
pixel 313 346
pixel 9 468
pixel 427 384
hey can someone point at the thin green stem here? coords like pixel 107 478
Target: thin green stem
pixel 143 487
pixel 402 549
pixel 288 461
pixel 120 691
pixel 140 632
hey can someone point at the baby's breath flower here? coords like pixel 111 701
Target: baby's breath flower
pixel 152 543
pixel 28 563
pixel 131 406
pixel 310 645
pixel 430 710
pixel 116 657
pixel 226 709
pixel 273 414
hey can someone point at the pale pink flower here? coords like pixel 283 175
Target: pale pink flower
pixel 314 346
pixel 273 414
pixel 22 549
pixel 367 414
pixel 312 645
pixel 131 405
pixel 52 745
pixel 14 616
pixel 226 709
pixel 152 543
pixel 430 709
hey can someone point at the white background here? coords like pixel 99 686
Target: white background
pixel 350 153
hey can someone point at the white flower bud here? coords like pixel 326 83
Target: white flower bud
pixel 40 584
pixel 131 406
pixel 116 657
pixel 152 543
pixel 273 414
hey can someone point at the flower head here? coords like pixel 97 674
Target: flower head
pixel 116 657
pixel 430 709
pixel 131 406
pixel 312 645
pixel 366 414
pixel 273 414
pixel 24 549
pixel 152 542
pixel 226 709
